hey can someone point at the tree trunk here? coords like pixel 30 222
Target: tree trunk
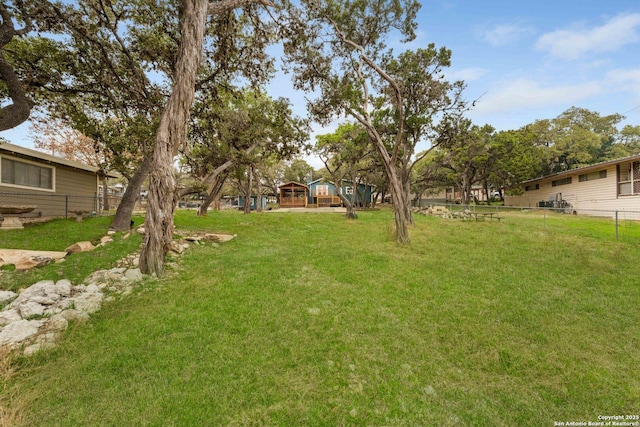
pixel 122 219
pixel 213 195
pixel 105 193
pixel 258 192
pixel 172 132
pixel 402 215
pixel 247 194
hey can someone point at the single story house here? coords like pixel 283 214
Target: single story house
pixel 601 188
pixel 55 186
pixel 323 193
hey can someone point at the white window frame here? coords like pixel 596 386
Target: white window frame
pixel 630 181
pixel 28 187
pixel 322 190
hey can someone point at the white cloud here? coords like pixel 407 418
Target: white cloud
pixel 578 42
pixel 625 80
pixel 466 74
pixel 503 35
pixel 524 94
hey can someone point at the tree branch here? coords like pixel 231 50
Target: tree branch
pixel 220 7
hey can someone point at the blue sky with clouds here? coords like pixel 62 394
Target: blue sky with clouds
pixel 533 60
pixel 524 60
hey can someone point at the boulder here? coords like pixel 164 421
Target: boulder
pixel 57 322
pixel 63 287
pixel 176 247
pixel 80 247
pixel 7 296
pixel 9 316
pixel 88 302
pixel 17 332
pixel 25 259
pixel 75 315
pixel 31 309
pixel 219 238
pixel 133 274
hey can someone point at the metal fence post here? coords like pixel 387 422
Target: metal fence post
pixel 616 225
pixel 66 206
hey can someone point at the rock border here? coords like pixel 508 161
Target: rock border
pixel 34 319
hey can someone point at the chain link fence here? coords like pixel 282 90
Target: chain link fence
pixel 620 225
pixel 60 206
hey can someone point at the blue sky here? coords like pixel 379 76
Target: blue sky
pixel 524 60
pixel 533 60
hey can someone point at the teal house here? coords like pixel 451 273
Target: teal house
pixel 323 193
pixel 254 200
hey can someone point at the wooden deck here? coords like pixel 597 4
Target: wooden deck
pixel 328 201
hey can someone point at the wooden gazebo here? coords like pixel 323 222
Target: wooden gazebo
pixel 293 195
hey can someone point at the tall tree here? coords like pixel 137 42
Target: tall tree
pixel 513 157
pixel 463 152
pixel 298 170
pixel 577 137
pixel 247 127
pixel 172 133
pixel 339 49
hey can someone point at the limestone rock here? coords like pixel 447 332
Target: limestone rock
pixel 31 309
pixel 106 239
pixel 75 315
pixel 80 247
pixel 176 247
pixel 133 274
pixel 57 323
pixel 88 302
pixel 219 238
pixel 25 259
pixel 9 316
pixel 17 332
pixel 63 287
pixel 6 296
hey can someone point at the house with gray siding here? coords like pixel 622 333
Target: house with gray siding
pixel 55 186
pixel 600 189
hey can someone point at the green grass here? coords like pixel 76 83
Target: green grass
pixel 57 235
pixel 309 319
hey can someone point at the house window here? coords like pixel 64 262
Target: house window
pixel 593 175
pixel 563 181
pixel 532 187
pixel 322 190
pixel 629 178
pixel 26 174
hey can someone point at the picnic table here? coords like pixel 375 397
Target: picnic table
pixel 481 216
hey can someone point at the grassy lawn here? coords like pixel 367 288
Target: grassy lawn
pixel 309 319
pixel 57 235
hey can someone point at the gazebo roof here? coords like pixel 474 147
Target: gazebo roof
pixel 293 184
